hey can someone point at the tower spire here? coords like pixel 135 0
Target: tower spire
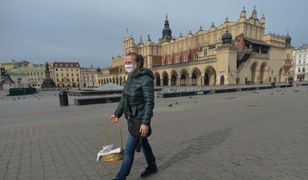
pixel 254 12
pixel 262 20
pixel 243 14
pixel 166 33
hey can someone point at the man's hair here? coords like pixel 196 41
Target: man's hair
pixel 138 58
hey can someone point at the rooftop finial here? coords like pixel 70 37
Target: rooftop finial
pixel 126 33
pixel 262 20
pixel 227 20
pixel 149 37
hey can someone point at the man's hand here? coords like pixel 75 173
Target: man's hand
pixel 144 129
pixel 114 119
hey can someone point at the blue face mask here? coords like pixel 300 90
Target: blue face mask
pixel 130 67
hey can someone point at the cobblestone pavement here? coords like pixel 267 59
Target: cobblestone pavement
pixel 244 135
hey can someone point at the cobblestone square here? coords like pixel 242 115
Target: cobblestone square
pixel 244 135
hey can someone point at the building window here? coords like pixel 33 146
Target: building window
pixel 77 79
pixel 72 74
pixel 56 69
pixel 67 74
pixel 303 69
pixel 299 69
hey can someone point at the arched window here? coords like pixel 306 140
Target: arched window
pixel 222 80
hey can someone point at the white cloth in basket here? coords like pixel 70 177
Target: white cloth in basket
pixel 107 150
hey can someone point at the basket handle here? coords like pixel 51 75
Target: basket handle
pixel 106 134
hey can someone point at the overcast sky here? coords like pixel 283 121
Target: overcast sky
pixel 92 31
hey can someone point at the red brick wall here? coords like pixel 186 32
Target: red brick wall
pixel 240 43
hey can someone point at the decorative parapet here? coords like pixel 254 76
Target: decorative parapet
pixel 182 64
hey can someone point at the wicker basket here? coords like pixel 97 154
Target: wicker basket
pixel 113 157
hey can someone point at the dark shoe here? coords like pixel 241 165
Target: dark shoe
pixel 148 171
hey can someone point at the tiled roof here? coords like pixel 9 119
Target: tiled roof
pixel 254 41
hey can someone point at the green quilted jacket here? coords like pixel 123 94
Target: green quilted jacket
pixel 138 95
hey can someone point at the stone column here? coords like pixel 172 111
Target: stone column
pixel 257 76
pixel 179 81
pixel 169 81
pixel 189 81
